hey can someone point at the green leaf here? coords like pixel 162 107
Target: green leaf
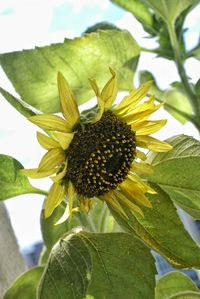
pixel 178 173
pixel 178 100
pixel 162 230
pixel 25 286
pixel 12 182
pixel 173 283
pixel 33 73
pixel 170 10
pixel 139 10
pixel 101 26
pixel 186 295
pixel 110 266
pixel 19 105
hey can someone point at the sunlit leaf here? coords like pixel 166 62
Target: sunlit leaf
pixel 178 173
pixel 33 72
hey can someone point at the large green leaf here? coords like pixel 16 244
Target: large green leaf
pixel 173 283
pixel 33 73
pixel 163 231
pixel 178 173
pixel 109 266
pixel 170 10
pixel 12 182
pixel 25 285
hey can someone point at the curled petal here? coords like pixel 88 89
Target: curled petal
pixel 109 91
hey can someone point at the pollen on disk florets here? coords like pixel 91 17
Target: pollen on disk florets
pixel 100 155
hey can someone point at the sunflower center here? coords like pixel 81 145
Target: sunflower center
pixel 100 155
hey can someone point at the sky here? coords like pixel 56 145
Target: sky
pixel 25 24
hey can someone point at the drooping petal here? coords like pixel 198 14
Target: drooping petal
pixel 111 199
pixel 68 103
pixel 70 198
pixel 51 159
pixel 50 122
pixel 148 127
pixel 141 155
pixel 34 174
pixel 140 184
pixel 46 141
pixel 66 215
pixel 132 191
pixel 141 168
pixel 126 202
pixel 85 204
pixel 60 174
pixel 55 197
pixel 64 139
pixel 153 144
pixel 133 98
pixel 109 91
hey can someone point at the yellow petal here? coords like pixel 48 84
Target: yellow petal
pixel 51 159
pixel 34 174
pixel 134 97
pixel 111 199
pixel 61 174
pixel 153 144
pixel 65 215
pixel 86 204
pixel 55 197
pixel 109 91
pixel 132 191
pixel 69 106
pixel 140 116
pixel 140 155
pixel 95 87
pixel 47 142
pixel 50 122
pixel 140 183
pixel 70 198
pixel 141 168
pixel 148 127
pixel 125 201
pixel 64 139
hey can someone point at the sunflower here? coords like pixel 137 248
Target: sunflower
pixel 95 154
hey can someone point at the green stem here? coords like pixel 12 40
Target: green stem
pixel 179 63
pixel 184 114
pixel 87 221
pixel 40 191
